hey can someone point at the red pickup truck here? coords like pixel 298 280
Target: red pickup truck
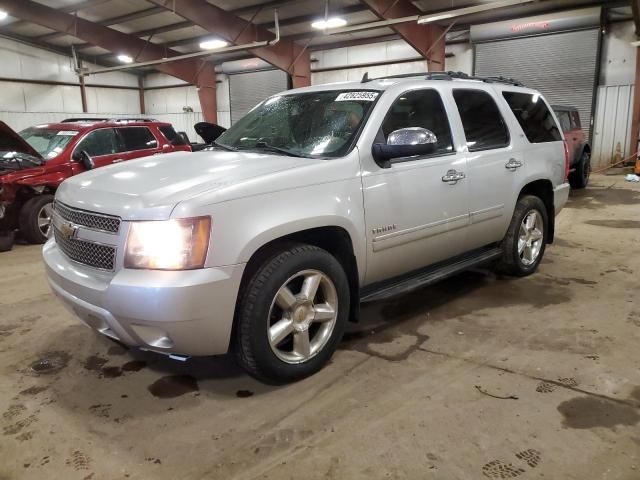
pixel 579 148
pixel 34 162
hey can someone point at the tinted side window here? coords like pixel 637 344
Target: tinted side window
pixel 575 121
pixel 99 142
pixel 533 116
pixel 565 122
pixel 483 124
pixel 172 135
pixel 137 138
pixel 420 108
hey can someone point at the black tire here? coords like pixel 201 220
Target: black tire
pixel 28 219
pixel 579 178
pixel 511 263
pixel 6 241
pixel 252 348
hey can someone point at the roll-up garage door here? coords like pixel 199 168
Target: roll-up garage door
pixel 246 90
pixel 562 66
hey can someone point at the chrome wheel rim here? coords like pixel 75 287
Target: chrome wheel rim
pixel 44 219
pixel 530 237
pixel 302 316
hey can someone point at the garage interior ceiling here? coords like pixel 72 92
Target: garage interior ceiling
pixel 161 26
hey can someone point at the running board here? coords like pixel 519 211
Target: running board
pixel 430 275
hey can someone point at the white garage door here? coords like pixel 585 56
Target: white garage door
pixel 246 90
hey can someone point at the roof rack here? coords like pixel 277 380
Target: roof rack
pixel 84 119
pixel 447 76
pixel 105 119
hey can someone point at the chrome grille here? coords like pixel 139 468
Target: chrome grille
pixel 88 253
pixel 106 223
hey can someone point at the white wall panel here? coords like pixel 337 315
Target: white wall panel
pixel 71 98
pixel 612 126
pixel 10 59
pixel 43 98
pixel 618 55
pixel 12 97
pixel 161 80
pixel 113 101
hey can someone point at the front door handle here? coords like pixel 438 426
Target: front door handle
pixel 118 160
pixel 513 164
pixel 452 177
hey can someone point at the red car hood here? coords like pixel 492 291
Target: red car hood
pixel 12 142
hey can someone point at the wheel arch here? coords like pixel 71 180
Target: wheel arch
pixel 334 239
pixel 543 189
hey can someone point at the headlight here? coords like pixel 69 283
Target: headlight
pixel 179 244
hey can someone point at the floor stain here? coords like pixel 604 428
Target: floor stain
pixel 51 362
pixel 101 409
pixel 500 469
pixel 94 363
pixel 134 366
pixel 531 457
pixel 589 412
pixel 244 393
pixel 13 411
pixel 545 387
pixel 110 372
pixel 602 198
pixel 33 390
pixel 173 386
pixel 79 461
pixel 614 223
pixel 19 425
pixel 116 350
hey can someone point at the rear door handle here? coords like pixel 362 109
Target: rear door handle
pixel 513 164
pixel 452 177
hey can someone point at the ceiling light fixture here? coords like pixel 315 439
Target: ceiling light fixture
pixel 125 58
pixel 3 14
pixel 213 44
pixel 332 22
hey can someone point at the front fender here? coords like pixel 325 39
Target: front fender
pixel 242 226
pixel 53 180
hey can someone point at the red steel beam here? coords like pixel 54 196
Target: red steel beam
pixel 285 55
pixel 200 73
pixel 428 39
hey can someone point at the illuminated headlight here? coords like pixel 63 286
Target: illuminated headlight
pixel 179 244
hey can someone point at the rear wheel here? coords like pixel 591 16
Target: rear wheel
pixel 35 218
pixel 6 240
pixel 579 178
pixel 524 244
pixel 292 315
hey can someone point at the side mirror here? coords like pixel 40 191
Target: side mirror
pixel 84 158
pixel 405 142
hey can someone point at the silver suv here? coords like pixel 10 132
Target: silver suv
pixel 320 198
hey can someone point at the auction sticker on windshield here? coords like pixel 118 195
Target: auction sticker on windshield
pixel 357 96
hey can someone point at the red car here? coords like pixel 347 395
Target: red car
pixel 34 162
pixel 579 148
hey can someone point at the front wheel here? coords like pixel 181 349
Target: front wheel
pixel 35 218
pixel 292 315
pixel 524 244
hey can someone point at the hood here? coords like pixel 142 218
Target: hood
pixel 208 131
pixel 12 142
pixel 149 188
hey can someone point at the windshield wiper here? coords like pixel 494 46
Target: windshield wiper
pixel 224 147
pixel 272 148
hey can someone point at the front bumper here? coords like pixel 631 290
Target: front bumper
pixel 560 196
pixel 184 312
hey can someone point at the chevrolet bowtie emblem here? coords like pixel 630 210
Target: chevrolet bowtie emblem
pixel 68 229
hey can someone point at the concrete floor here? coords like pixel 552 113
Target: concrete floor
pixel 476 377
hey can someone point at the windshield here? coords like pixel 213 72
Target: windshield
pixel 323 124
pixel 47 142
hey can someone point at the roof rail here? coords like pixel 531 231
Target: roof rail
pixel 132 119
pixel 84 119
pixel 448 76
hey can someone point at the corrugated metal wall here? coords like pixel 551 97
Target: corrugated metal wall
pixel 562 66
pixel 612 125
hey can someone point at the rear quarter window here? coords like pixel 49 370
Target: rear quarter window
pixel 137 138
pixel 171 135
pixel 534 116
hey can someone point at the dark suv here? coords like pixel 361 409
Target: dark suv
pixel 577 143
pixel 36 161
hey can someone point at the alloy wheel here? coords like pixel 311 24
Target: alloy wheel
pixel 44 219
pixel 530 237
pixel 302 316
